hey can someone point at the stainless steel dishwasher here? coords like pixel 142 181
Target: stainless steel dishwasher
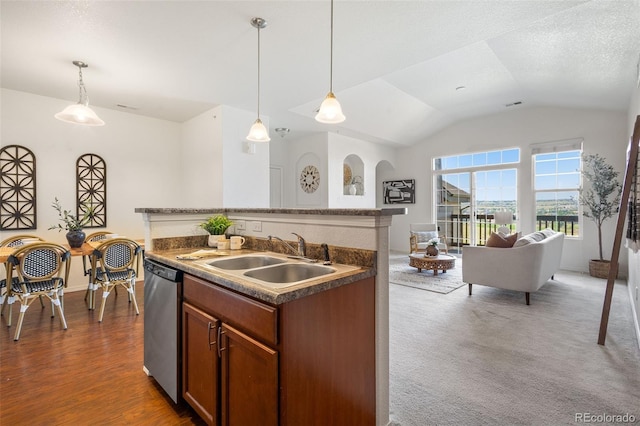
pixel 162 300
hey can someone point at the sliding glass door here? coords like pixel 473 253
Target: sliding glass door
pixel 466 200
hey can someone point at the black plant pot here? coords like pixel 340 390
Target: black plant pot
pixel 75 238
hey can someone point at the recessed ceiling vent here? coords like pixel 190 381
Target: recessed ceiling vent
pixel 513 104
pixel 126 106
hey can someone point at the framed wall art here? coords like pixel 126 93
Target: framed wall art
pixel 17 188
pixel 399 191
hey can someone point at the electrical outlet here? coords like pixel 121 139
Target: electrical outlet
pixel 256 226
pixel 240 225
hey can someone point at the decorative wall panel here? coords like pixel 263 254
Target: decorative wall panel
pixel 17 188
pixel 91 188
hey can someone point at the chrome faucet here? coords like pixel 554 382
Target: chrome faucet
pixel 300 253
pixel 302 248
pixel 286 244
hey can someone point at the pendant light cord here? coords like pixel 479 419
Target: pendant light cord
pixel 331 56
pixel 258 71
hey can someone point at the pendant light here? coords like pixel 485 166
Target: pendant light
pixel 80 113
pixel 258 133
pixel 330 110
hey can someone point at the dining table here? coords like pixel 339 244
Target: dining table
pixel 85 250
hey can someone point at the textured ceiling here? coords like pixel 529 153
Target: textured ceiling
pixel 397 64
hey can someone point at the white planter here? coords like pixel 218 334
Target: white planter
pixel 213 240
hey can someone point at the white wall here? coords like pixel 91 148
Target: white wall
pixel 371 154
pixel 604 132
pixel 245 176
pixel 202 161
pixel 217 169
pixel 142 157
pixel 327 151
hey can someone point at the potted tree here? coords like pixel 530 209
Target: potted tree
pixel 600 201
pixel 216 226
pixel 72 224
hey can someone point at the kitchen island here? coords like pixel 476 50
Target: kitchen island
pixel 355 237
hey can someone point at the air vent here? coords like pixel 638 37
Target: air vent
pixel 513 104
pixel 126 106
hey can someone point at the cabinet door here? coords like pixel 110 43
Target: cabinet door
pixel 200 368
pixel 249 380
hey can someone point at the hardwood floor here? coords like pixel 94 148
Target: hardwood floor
pixel 90 373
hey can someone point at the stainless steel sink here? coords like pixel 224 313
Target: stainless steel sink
pixel 245 262
pixel 289 272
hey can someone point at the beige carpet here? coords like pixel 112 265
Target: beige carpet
pixel 489 359
pixel 402 274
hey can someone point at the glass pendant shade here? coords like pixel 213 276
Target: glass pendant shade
pixel 79 114
pixel 258 133
pixel 330 111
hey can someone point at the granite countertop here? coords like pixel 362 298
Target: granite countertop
pixel 307 211
pixel 345 274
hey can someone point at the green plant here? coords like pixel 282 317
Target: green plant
pixel 602 199
pixel 70 221
pixel 216 225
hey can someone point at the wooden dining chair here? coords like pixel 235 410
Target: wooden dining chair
pixel 115 263
pixel 38 270
pixel 14 242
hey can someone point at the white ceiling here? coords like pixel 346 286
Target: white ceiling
pixel 396 63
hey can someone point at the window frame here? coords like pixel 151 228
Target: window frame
pixel 556 147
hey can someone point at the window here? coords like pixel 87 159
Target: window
pixel 469 190
pixel 556 184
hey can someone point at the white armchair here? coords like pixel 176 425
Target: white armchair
pixel 421 233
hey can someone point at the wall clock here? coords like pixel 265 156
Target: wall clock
pixel 309 179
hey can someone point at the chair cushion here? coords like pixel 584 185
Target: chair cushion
pixel 499 241
pixel 424 236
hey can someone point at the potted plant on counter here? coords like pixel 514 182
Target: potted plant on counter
pixel 600 201
pixel 216 226
pixel 72 224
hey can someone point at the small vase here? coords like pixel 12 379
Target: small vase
pixel 75 238
pixel 432 251
pixel 352 189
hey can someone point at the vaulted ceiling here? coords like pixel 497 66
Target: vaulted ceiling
pixel 397 64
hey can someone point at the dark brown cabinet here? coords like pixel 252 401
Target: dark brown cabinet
pixel 309 361
pixel 200 366
pixel 249 380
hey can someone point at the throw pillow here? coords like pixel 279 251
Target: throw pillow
pixel 498 241
pixel 424 236
pixel 548 232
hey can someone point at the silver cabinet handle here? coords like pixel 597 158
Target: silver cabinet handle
pixel 220 348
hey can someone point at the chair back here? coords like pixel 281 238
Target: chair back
pixel 97 236
pixel 117 255
pixel 19 240
pixel 42 261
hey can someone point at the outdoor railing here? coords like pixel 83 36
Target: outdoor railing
pixel 458 227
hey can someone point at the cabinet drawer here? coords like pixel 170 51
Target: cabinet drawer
pixel 250 316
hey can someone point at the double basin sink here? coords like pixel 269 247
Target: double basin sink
pixel 272 271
